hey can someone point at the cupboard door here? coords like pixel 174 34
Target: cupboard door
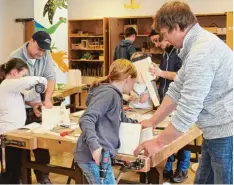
pixel 230 29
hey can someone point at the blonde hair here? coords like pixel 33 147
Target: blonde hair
pixel 137 54
pixel 119 70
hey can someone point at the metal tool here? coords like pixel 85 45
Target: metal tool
pixel 40 89
pixel 104 164
pixel 4 142
pixel 127 165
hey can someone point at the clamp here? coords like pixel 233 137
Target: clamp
pixel 3 143
pixel 127 165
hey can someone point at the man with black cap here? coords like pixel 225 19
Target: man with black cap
pixel 36 54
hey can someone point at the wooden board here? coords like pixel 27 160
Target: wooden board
pixel 67 91
pixel 229 39
pixel 176 145
pixel 115 29
pixel 21 135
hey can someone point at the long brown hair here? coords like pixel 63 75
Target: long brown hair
pixel 14 63
pixel 119 70
pixel 173 13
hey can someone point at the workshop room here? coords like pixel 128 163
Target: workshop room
pixel 116 92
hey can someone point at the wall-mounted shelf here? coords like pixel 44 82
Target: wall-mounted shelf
pixel 87 49
pixel 88 39
pixel 86 36
pixel 84 60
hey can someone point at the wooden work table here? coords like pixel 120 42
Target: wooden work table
pixel 77 96
pixel 66 144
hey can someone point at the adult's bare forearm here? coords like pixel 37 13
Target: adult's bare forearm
pixel 49 90
pixel 168 135
pixel 168 75
pixel 167 106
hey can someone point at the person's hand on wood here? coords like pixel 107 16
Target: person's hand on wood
pixel 133 97
pixel 144 98
pixel 146 123
pixel 155 71
pixel 149 147
pixel 36 108
pixel 48 104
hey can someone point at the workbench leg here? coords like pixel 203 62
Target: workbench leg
pixel 151 177
pixel 160 168
pixel 79 177
pixel 26 172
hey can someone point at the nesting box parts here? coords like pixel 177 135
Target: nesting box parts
pixel 85 44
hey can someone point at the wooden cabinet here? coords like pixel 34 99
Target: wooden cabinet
pixel 88 46
pixel 219 24
pixel 143 25
pixel 229 26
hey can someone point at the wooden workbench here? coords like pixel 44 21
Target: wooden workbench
pixel 77 96
pixel 66 144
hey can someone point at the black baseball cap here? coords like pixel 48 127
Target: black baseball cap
pixel 43 40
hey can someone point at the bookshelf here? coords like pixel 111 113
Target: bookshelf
pixel 88 46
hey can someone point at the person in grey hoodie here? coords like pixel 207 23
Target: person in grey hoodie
pixel 125 49
pixel 100 122
pixel 201 93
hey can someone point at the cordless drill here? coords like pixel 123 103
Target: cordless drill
pixel 104 164
pixel 40 88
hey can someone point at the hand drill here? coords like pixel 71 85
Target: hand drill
pixel 40 88
pixel 104 164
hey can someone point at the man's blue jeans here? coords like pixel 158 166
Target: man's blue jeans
pixel 91 172
pixel 216 164
pixel 183 161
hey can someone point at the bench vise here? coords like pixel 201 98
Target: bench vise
pixel 127 165
pixel 5 142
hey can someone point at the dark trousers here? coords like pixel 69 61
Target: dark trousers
pixel 13 166
pixel 42 156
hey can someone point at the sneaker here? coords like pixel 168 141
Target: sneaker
pixel 167 174
pixel 179 176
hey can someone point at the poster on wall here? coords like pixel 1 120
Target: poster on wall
pixel 51 17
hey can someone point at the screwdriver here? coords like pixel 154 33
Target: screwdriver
pixel 66 132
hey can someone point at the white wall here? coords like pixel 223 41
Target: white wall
pixel 60 37
pixel 115 8
pixel 12 33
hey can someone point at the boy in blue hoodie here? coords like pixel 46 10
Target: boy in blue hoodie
pixel 101 121
pixel 125 49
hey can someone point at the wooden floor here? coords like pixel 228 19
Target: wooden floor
pixel 65 159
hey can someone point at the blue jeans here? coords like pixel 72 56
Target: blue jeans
pixel 215 166
pixel 91 172
pixel 183 161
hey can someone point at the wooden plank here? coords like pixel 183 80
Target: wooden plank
pixel 67 91
pixel 115 29
pixel 106 49
pixel 58 144
pixel 21 135
pixel 229 38
pixel 29 30
pixel 176 145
